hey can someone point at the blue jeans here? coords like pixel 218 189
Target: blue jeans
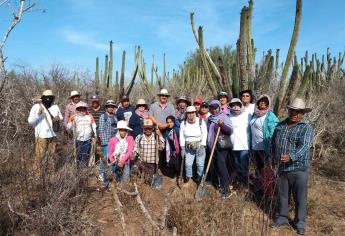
pixel 105 155
pixel 198 154
pixel 120 174
pixel 83 151
pixel 241 160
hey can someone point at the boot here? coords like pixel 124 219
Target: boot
pixel 187 182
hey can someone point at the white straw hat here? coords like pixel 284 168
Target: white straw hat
pixel 299 104
pixel 163 92
pixel 47 93
pixel 123 125
pixel 190 109
pixel 74 93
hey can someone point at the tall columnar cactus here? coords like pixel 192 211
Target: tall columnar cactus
pixel 290 90
pixel 289 56
pixel 122 77
pixel 164 70
pixel 105 73
pixel 97 74
pixel 111 64
pixel 276 66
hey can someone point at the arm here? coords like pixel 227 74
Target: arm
pixel 307 135
pixel 182 137
pixel 34 116
pixel 93 125
pixel 272 123
pixel 101 127
pixel 111 149
pixel 204 133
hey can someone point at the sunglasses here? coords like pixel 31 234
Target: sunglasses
pixel 164 96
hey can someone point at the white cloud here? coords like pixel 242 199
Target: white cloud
pixel 86 39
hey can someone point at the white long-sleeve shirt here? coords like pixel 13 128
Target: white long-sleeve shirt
pixel 240 135
pixel 42 129
pixel 193 132
pixel 85 126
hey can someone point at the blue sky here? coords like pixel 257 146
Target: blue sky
pixel 74 32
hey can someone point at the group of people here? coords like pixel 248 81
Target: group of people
pixel 145 139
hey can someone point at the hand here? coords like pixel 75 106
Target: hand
pixel 285 158
pixel 41 110
pixel 220 121
pixel 162 126
pixel 71 119
pixel 158 132
pixel 56 119
pixel 120 164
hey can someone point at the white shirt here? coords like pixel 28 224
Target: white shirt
pixel 257 126
pixel 193 132
pixel 42 129
pixel 239 136
pixel 85 126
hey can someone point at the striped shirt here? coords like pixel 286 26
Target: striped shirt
pixel 145 148
pixel 294 141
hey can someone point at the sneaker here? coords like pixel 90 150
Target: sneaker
pixel 226 195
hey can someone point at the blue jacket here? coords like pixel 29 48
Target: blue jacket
pixel 136 123
pixel 270 123
pixel 120 113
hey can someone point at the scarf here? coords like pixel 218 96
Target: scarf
pixel 121 148
pixel 261 113
pixel 173 146
pixel 212 122
pixel 143 114
pixel 236 112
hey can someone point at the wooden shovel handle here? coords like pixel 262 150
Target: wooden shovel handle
pixel 212 151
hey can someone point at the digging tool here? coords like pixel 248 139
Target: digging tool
pixel 92 153
pixel 202 188
pixel 181 172
pixel 157 178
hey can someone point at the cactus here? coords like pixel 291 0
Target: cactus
pixel 291 50
pixel 111 64
pixel 289 91
pixel 97 74
pixel 105 73
pixel 122 77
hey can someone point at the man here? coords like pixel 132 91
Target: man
pixel 145 150
pixel 181 103
pixel 223 98
pixel 106 131
pixel 70 109
pixel 197 103
pixel 126 110
pixel 162 109
pixel 96 109
pixel 203 111
pixel 42 121
pixel 291 142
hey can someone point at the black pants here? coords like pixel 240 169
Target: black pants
pixel 221 161
pixel 295 182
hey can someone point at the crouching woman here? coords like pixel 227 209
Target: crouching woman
pixel 120 151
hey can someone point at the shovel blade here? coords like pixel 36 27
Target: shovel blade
pixel 201 192
pixel 157 181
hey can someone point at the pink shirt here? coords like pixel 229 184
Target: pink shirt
pixel 111 148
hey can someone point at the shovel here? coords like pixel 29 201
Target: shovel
pixel 202 188
pixel 181 172
pixel 157 178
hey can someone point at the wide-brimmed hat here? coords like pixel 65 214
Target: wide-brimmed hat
pixel 190 109
pixel 122 125
pixel 47 93
pixel 148 123
pixel 110 103
pixel 74 93
pixel 141 102
pixel 183 98
pixel 163 92
pixel 236 100
pixel 299 104
pixel 81 104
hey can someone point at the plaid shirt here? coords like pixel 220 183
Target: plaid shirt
pixel 106 128
pixel 145 148
pixel 295 142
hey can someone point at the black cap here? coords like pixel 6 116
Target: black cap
pixel 204 104
pixel 124 98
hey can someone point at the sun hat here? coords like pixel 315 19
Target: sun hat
pixel 47 93
pixel 163 92
pixel 190 109
pixel 148 123
pixel 122 125
pixel 94 98
pixel 182 98
pixel 299 104
pixel 110 103
pixel 236 100
pixel 81 104
pixel 214 103
pixel 198 101
pixel 74 93
pixel 141 102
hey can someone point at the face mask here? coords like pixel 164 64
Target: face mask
pixel 47 101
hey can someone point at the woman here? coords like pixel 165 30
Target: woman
pixel 84 129
pixel 240 140
pixel 247 99
pixel 223 98
pixel 193 135
pixel 262 126
pixel 216 120
pixel 120 151
pixel 172 146
pixel 137 119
